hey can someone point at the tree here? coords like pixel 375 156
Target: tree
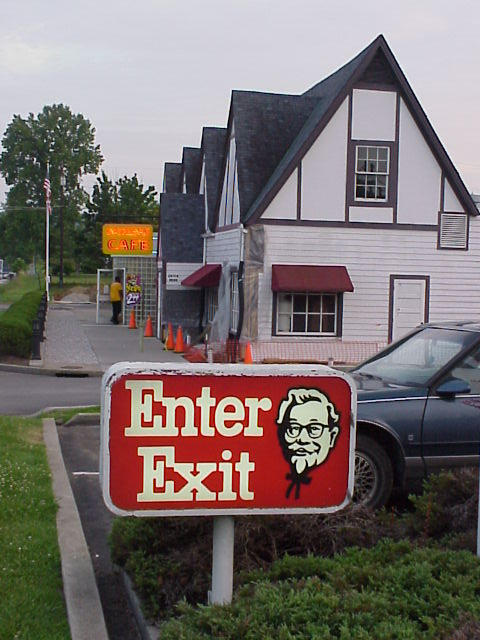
pixel 61 139
pixel 126 200
pixel 123 201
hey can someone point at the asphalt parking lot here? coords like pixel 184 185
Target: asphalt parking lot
pixel 80 449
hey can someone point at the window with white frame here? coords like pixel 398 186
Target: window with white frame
pixel 372 168
pixel 211 303
pixel 307 313
pixel 234 301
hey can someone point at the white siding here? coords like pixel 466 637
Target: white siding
pixel 419 175
pixel 224 247
pixel 284 205
pixel 324 170
pixel 451 202
pixel 371 256
pixel 382 125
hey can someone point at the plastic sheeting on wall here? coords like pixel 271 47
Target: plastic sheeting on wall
pixel 254 257
pixel 221 321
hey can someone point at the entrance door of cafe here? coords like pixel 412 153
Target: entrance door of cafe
pixel 105 277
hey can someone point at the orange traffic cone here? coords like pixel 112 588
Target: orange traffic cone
pixel 148 328
pixel 169 341
pixel 179 346
pixel 132 324
pixel 248 359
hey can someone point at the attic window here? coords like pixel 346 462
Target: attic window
pixel 453 231
pixel 372 167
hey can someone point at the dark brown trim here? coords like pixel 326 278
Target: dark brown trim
pixel 339 313
pixel 228 227
pixel 356 225
pixel 299 191
pixel 442 192
pixel 391 200
pixel 348 174
pixel 371 86
pixel 456 213
pixel 426 311
pixel 397 143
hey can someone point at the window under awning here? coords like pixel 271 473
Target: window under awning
pixel 206 276
pixel 310 278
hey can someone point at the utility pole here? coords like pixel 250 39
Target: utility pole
pixel 63 183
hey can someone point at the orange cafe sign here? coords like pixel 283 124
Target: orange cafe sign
pixel 127 239
pixel 209 439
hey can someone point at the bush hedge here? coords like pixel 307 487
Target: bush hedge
pixel 169 559
pixel 16 325
pixel 392 591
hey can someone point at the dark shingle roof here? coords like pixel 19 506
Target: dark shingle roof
pixel 182 222
pixel 213 147
pixel 192 166
pixel 171 177
pixel 265 124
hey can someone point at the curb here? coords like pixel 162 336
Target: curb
pixel 57 372
pixel 86 419
pixel 147 631
pixel 84 609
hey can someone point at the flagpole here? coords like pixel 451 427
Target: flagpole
pixel 47 233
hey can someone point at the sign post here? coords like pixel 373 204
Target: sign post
pixel 225 440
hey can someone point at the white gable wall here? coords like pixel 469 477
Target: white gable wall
pixel 451 202
pixel 324 169
pixel 371 256
pixel 284 204
pixel 419 175
pixel 381 125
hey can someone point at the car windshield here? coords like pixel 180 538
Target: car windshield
pixel 416 360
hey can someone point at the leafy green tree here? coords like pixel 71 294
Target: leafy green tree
pixel 123 201
pixel 66 142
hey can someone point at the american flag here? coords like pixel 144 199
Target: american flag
pixel 48 194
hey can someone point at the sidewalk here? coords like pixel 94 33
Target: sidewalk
pixel 76 344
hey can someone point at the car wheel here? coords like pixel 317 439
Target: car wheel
pixel 373 474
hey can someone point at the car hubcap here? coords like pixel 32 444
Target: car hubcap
pixel 366 479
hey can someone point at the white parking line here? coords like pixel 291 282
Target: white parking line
pixel 85 473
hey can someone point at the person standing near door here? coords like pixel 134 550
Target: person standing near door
pixel 116 295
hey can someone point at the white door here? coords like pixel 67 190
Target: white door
pixel 408 305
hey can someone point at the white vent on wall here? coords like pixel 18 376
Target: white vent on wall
pixel 453 231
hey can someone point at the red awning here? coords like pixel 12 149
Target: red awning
pixel 308 278
pixel 206 276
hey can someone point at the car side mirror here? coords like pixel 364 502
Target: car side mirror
pixel 453 387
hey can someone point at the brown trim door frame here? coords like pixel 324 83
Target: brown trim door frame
pixel 392 309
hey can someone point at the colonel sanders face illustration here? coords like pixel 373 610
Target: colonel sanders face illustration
pixel 308 429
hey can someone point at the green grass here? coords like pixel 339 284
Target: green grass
pixel 75 280
pixel 63 415
pixel 14 289
pixel 31 595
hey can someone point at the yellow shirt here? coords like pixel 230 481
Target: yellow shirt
pixel 115 292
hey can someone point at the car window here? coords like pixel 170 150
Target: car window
pixel 417 359
pixel 469 370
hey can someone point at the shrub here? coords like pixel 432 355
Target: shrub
pixel 393 590
pixel 16 325
pixel 169 559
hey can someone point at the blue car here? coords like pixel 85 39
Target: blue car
pixel 418 409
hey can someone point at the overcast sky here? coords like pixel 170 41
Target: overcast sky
pixel 149 74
